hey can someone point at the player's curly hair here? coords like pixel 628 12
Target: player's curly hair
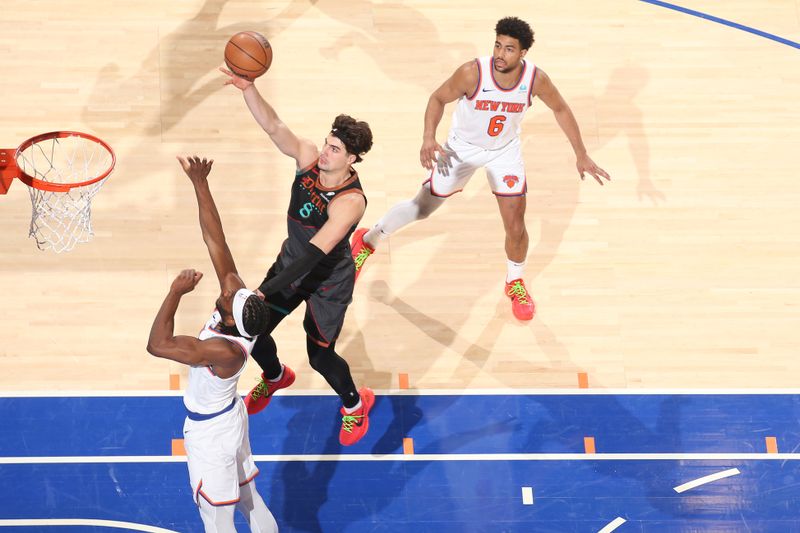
pixel 255 315
pixel 516 28
pixel 354 134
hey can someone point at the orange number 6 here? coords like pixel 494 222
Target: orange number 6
pixel 496 125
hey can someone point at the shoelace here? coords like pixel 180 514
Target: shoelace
pixel 259 391
pixel 519 291
pixel 348 421
pixel 361 257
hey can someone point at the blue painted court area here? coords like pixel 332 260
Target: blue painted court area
pixel 108 458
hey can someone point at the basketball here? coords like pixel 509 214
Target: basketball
pixel 248 54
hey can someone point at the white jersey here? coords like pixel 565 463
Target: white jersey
pixel 491 117
pixel 207 393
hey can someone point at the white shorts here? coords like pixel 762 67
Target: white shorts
pixel 219 456
pixel 505 169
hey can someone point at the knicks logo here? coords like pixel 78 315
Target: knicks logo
pixel 510 181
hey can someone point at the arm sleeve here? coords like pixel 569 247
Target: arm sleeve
pixel 294 270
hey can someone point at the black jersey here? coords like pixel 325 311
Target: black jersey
pixel 308 212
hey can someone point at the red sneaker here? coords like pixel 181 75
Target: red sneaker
pixel 258 398
pixel 356 424
pixel 521 303
pixel 361 250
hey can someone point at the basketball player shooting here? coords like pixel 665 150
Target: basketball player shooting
pixel 315 265
pixel 493 94
pixel 221 465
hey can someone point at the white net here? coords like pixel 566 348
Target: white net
pixel 61 219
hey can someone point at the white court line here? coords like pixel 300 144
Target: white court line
pixel 527 495
pixel 83 522
pixel 707 479
pixel 614 524
pixel 421 457
pixel 423 392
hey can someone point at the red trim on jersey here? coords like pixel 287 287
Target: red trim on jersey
pixel 251 478
pixel 306 169
pixel 521 74
pixel 480 80
pixel 530 90
pixel 348 191
pixel 199 492
pixel 353 177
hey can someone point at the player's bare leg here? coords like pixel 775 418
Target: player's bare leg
pixel 512 211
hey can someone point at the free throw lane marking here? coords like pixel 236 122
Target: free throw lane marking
pixel 707 479
pixel 408 446
pixel 177 447
pixel 588 445
pixel 772 445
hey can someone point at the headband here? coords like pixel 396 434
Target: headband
pixel 239 299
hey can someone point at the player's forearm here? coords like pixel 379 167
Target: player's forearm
pixel 163 326
pixel 433 116
pixel 210 221
pixel 568 124
pixel 265 115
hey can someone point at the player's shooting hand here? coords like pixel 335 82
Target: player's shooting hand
pixel 585 164
pixel 186 281
pixel 197 169
pixel 236 81
pixel 427 154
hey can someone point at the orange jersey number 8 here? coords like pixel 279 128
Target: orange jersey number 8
pixel 496 125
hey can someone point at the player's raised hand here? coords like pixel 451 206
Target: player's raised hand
pixel 236 81
pixel 585 164
pixel 427 154
pixel 186 281
pixel 197 169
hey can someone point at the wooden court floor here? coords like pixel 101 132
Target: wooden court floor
pixel 680 273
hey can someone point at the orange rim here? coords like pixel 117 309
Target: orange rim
pixel 61 187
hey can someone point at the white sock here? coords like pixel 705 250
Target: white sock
pixel 353 409
pixel 375 236
pixel 279 376
pixel 515 270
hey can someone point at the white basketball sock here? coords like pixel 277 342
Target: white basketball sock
pixel 515 270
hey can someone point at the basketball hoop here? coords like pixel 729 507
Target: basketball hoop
pixel 63 171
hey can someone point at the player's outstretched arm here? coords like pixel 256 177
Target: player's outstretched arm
pixel 463 82
pixel 210 222
pixel 182 348
pixel 301 150
pixel 544 88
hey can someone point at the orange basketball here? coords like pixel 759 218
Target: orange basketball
pixel 248 54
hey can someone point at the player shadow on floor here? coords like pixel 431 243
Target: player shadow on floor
pixel 382 32
pixel 181 58
pixel 303 486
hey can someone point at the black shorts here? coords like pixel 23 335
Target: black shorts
pixel 326 298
